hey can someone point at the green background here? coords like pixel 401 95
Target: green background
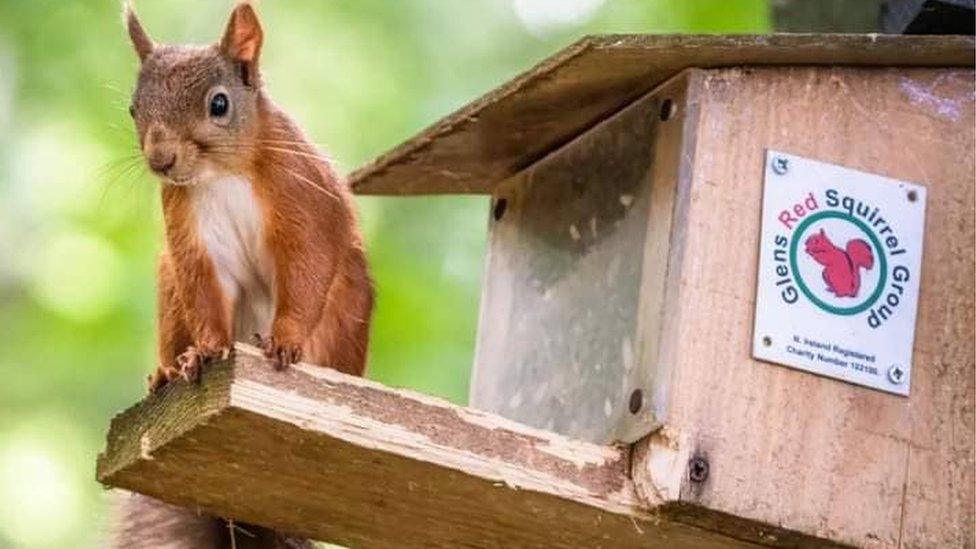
pixel 80 224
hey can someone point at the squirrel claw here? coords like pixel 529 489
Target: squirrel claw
pixel 193 360
pixel 190 362
pixel 160 378
pixel 280 355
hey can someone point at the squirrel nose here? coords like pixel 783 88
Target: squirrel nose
pixel 161 162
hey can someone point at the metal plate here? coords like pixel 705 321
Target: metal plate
pixel 560 343
pixel 839 272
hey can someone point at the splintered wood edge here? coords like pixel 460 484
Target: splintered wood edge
pixel 368 414
pixel 667 55
pixel 148 443
pixel 158 419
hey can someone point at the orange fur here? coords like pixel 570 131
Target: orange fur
pixel 322 289
pixel 255 218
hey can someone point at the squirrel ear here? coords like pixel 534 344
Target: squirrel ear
pixel 140 40
pixel 243 37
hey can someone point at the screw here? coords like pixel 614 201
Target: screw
pixel 912 196
pixel 636 401
pixel 896 374
pixel 667 110
pixel 780 165
pixel 698 469
pixel 499 210
pixel 767 341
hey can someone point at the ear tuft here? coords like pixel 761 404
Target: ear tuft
pixel 243 38
pixel 140 40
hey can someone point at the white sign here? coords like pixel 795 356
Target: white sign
pixel 839 266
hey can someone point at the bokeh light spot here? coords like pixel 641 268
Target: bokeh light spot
pixel 78 276
pixel 40 499
pixel 542 17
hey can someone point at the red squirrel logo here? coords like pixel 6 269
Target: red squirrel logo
pixel 842 267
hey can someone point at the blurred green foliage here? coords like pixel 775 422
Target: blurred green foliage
pixel 80 224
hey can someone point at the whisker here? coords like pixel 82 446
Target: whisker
pixel 233 148
pixel 290 142
pixel 310 182
pixel 299 153
pixel 123 163
pixel 229 147
pixel 113 168
pixel 119 171
pixel 299 142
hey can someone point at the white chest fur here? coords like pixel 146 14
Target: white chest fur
pixel 230 224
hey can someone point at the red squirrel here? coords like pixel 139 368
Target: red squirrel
pixel 261 234
pixel 842 267
pixel 261 238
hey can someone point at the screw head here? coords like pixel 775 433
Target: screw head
pixel 667 110
pixel 698 469
pixel 498 210
pixel 780 165
pixel 896 374
pixel 636 401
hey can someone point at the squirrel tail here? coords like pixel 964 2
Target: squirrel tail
pixel 140 521
pixel 860 253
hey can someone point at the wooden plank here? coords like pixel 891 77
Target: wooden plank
pixel 784 447
pixel 511 127
pixel 317 453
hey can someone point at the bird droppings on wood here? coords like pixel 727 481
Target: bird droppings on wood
pixel 145 447
pixel 927 96
pixel 574 232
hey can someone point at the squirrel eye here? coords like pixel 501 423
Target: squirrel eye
pixel 219 105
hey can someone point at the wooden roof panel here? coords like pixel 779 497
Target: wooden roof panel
pixel 514 125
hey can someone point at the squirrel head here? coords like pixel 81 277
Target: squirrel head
pixel 195 107
pixel 818 243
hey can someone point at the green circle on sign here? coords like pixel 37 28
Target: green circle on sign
pixel 882 262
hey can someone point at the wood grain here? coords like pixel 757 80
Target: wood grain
pixel 785 447
pixel 511 127
pixel 317 453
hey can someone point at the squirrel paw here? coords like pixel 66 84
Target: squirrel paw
pixel 193 359
pixel 280 354
pixel 162 376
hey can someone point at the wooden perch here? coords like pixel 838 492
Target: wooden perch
pixel 317 453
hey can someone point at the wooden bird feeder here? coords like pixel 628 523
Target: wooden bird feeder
pixel 616 400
